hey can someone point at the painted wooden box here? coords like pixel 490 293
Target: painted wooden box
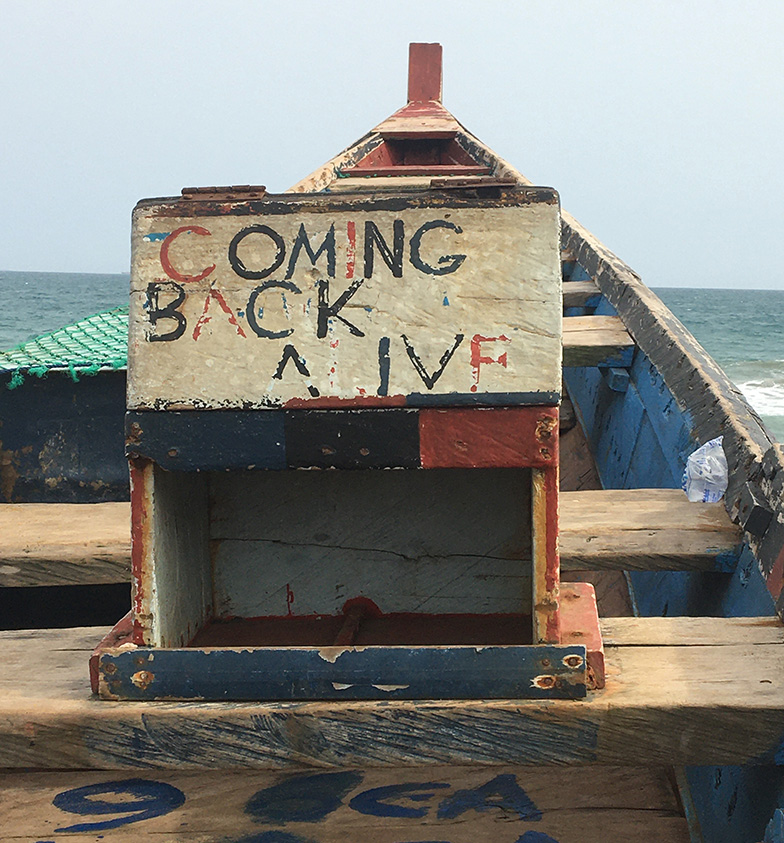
pixel 343 435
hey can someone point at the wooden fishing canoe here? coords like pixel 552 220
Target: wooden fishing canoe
pixel 684 741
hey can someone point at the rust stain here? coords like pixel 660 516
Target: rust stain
pixel 143 679
pixel 543 681
pixel 8 473
pixel 573 661
pixel 134 437
pixel 545 428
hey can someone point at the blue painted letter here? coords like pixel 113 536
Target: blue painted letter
pixel 145 799
pixel 303 799
pixel 373 801
pixel 501 792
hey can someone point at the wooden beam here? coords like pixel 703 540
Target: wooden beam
pixel 634 529
pixel 596 341
pixel 680 702
pixel 580 293
pixel 459 804
pixel 64 544
pixel 645 530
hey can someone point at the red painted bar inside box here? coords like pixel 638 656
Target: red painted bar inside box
pixel 498 437
pixel 138 544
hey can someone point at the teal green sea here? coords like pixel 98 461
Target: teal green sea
pixel 743 330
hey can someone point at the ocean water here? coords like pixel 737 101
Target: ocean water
pixel 743 330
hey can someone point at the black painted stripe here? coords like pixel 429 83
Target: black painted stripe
pixel 352 438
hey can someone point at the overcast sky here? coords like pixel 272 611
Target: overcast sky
pixel 660 123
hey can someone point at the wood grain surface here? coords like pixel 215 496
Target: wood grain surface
pixel 681 702
pixel 457 804
pixel 642 529
pixel 308 300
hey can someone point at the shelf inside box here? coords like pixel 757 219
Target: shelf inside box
pixel 397 629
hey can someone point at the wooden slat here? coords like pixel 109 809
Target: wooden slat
pixel 569 805
pixel 579 293
pixel 596 341
pixel 715 405
pixel 640 529
pixel 692 632
pixel 645 529
pixel 64 544
pixel 663 704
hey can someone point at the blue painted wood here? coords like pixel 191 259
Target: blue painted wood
pixel 483 399
pixel 604 308
pixel 61 440
pixel 334 673
pixel 620 421
pixel 207 440
pixel 617 379
pixel 572 271
pixel 671 424
pixel 774 832
pixel 648 467
pixel 740 801
pixel 622 359
pixel 741 593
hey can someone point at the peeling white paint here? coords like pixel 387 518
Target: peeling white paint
pixel 332 654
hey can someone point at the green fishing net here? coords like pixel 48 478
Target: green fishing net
pixel 84 348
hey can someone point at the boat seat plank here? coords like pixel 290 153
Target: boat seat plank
pixel 580 293
pixel 64 544
pixel 679 702
pixel 596 341
pixel 645 530
pixel 637 529
pixel 569 805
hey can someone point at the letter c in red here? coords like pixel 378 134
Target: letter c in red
pixel 166 263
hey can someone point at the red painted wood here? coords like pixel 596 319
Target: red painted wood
pixel 424 72
pixel 553 570
pixel 121 633
pixel 139 504
pixel 423 170
pixel 553 561
pixel 498 437
pixel 580 625
pixel 775 579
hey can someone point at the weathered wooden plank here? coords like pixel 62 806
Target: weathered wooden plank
pixel 437 803
pixel 596 341
pixel 662 704
pixel 170 557
pixel 64 544
pixel 652 529
pixel 691 632
pixel 345 673
pixel 544 554
pixel 321 300
pixel 645 529
pixel 453 540
pixel 715 406
pixel 580 294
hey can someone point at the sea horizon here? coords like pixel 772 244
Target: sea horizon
pixel 742 329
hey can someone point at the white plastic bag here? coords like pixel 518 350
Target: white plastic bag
pixel 705 477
